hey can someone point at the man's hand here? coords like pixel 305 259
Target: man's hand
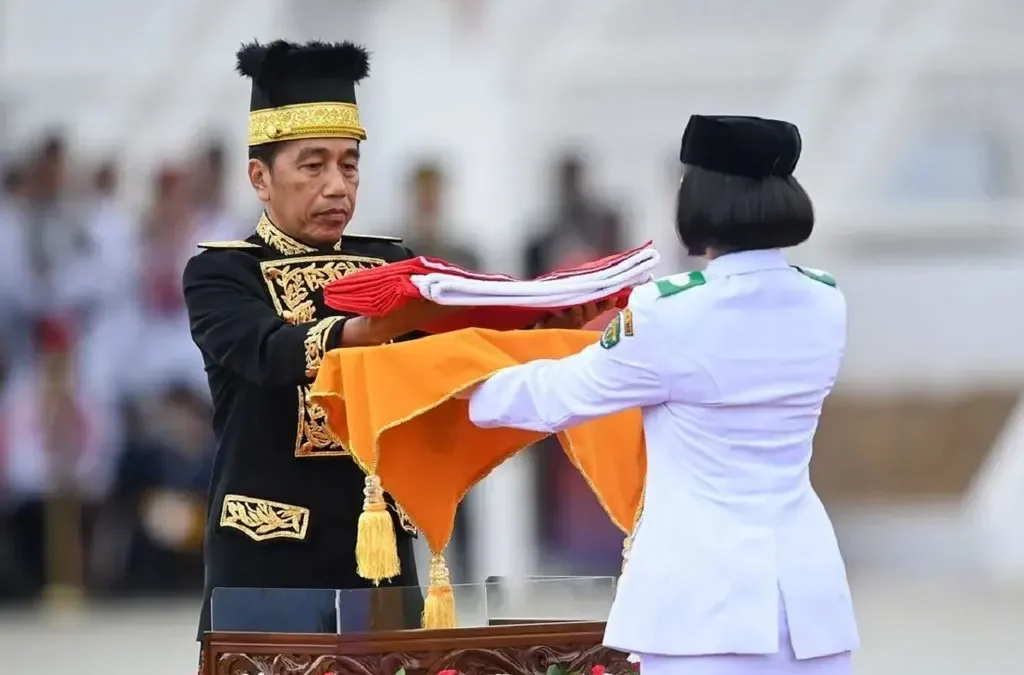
pixel 367 331
pixel 576 317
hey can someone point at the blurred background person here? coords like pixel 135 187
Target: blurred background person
pixel 427 229
pixel 153 522
pixel 579 226
pixel 170 231
pixel 15 307
pixel 57 456
pixel 214 221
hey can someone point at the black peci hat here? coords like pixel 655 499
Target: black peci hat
pixel 741 146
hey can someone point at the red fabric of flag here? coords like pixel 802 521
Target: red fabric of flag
pixel 381 290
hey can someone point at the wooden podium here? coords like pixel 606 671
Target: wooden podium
pixel 510 649
pixel 260 631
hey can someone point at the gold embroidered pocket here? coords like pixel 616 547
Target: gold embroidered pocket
pixel 261 519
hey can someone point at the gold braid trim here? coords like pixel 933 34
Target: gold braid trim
pixel 627 543
pixel 316 343
pixel 278 240
pixel 286 245
pixel 305 120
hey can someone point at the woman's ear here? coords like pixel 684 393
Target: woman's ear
pixel 259 178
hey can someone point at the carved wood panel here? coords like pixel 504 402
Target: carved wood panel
pixel 529 660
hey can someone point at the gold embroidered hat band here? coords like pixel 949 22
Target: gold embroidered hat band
pixel 306 120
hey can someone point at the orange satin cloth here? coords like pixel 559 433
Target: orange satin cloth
pixel 393 407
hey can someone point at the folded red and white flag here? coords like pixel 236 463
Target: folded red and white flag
pixel 496 301
pixel 559 289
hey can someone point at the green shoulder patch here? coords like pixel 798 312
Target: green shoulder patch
pixel 237 243
pixel 679 283
pixel 613 331
pixel 818 275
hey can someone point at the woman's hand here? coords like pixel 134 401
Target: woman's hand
pixel 576 317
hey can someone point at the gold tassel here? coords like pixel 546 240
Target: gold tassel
pixel 439 608
pixel 376 546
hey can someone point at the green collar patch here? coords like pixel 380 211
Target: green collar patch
pixel 679 283
pixel 818 275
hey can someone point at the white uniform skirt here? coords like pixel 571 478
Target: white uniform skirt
pixel 783 662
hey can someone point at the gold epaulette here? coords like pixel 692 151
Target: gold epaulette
pixel 235 243
pixel 372 237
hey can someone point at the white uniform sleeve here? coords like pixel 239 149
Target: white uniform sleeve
pixel 625 369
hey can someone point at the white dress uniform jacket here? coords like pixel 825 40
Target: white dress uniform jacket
pixel 730 366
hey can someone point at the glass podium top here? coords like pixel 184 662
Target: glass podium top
pixel 497 601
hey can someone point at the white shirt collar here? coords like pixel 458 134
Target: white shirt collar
pixel 745 262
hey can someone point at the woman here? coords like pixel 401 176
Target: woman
pixel 734 567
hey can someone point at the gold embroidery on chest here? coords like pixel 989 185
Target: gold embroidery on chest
pixel 293 284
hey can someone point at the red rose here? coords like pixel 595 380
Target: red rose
pixel 636 666
pixel 450 671
pixel 597 670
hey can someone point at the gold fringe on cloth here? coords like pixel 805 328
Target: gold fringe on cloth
pixel 376 545
pixel 398 434
pixel 439 607
pixel 627 543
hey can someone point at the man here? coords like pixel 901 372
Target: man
pixel 285 497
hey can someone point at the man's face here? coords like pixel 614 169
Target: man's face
pixel 310 191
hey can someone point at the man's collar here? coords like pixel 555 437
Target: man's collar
pixel 281 242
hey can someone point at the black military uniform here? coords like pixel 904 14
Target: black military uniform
pixel 285 497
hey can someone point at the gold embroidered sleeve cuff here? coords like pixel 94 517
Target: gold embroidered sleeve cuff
pixel 323 336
